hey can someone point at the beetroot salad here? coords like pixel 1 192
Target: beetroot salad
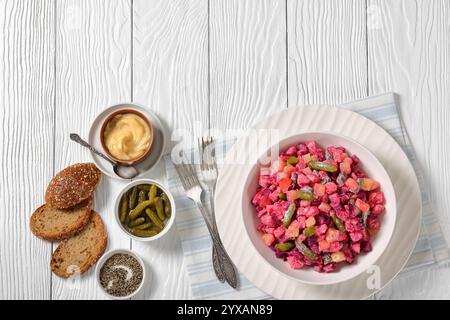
pixel 317 208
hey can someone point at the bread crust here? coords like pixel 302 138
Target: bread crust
pixel 69 230
pixel 101 239
pixel 72 185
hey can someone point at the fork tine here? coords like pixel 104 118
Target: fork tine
pixel 200 153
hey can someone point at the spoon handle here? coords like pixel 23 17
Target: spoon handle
pixel 75 137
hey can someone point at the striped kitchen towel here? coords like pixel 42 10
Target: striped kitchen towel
pixel 431 247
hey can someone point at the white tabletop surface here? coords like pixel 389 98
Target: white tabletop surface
pixel 222 64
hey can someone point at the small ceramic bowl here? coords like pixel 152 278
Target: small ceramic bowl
pixel 169 222
pixel 105 258
pixel 109 119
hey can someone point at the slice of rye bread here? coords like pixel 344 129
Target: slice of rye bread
pixel 72 185
pixel 77 254
pixel 57 224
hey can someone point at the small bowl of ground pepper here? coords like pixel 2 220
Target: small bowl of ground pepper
pixel 120 274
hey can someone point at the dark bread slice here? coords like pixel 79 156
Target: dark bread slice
pixel 79 253
pixel 56 224
pixel 72 185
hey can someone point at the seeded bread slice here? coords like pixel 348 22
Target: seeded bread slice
pixel 57 224
pixel 72 185
pixel 79 253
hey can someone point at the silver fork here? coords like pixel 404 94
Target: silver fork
pixel 193 189
pixel 208 167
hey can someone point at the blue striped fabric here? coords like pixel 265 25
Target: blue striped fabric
pixel 431 246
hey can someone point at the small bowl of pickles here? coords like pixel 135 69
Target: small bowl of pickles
pixel 145 210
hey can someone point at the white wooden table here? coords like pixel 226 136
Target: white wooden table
pixel 199 64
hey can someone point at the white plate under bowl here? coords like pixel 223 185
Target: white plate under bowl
pixel 156 150
pixel 241 160
pixel 373 169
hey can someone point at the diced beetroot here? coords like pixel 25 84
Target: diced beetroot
pixel 262 198
pixel 268 239
pixel 279 232
pixel 314 178
pixel 267 229
pixel 268 221
pixel 305 203
pixel 325 207
pixel 329 267
pixel 302 148
pixel 319 189
pixel 278 209
pixel 322 229
pixel 367 247
pixel 356 236
pixel 301 221
pixel 361 205
pixel 356 247
pixel 265 181
pixel 310 221
pixel 376 197
pixel 291 151
pixel 275 167
pixel 274 196
pixel 312 147
pixel 355 159
pixel 334 247
pixel 377 209
pixel 301 237
pixel 342 236
pixel 312 211
pixel 334 199
pixel 369 184
pixel 330 187
pixel 302 179
pixel 337 154
pixel 373 225
pixel 295 262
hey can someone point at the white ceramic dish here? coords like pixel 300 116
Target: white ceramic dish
pixel 344 272
pixel 169 222
pixel 156 150
pixel 289 123
pixel 108 255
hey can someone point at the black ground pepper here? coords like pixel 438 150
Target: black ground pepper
pixel 121 275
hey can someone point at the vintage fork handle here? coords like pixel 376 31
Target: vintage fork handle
pixel 215 256
pixel 226 265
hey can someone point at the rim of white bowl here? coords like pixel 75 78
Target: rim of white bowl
pixel 351 276
pixel 105 258
pixel 127 187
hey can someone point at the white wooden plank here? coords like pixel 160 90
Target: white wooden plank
pixel 327 51
pixel 409 53
pixel 93 71
pixel 27 108
pixel 170 76
pixel 248 61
